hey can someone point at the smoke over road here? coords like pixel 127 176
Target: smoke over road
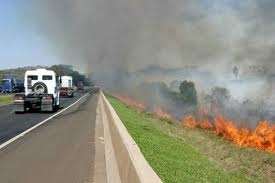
pixel 113 38
pixel 130 35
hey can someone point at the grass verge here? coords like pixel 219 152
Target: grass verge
pixel 6 99
pixel 178 154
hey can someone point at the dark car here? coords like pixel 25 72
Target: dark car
pixel 80 86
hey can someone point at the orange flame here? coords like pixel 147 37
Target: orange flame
pixel 162 114
pixel 189 121
pixel 159 112
pixel 262 137
pixel 131 102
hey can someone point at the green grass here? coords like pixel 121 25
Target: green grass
pixel 6 99
pixel 178 154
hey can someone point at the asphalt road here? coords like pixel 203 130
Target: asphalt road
pixel 61 150
pixel 12 124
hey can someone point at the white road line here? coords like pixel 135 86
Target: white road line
pixel 37 125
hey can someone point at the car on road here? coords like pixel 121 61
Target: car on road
pixel 42 91
pixel 80 86
pixel 95 89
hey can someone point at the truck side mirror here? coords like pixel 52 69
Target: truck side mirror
pixel 60 80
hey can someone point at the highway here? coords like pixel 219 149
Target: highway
pixel 60 150
pixel 12 124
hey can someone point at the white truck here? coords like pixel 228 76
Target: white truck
pixel 67 86
pixel 41 91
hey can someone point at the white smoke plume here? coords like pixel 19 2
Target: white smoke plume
pixel 116 39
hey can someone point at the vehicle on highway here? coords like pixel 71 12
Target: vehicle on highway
pixel 42 91
pixel 80 86
pixel 95 89
pixel 67 86
pixel 12 85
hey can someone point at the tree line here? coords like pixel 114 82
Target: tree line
pixel 183 100
pixel 60 70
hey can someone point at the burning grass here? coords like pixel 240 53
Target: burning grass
pixel 174 159
pixel 160 112
pixel 262 137
pixel 131 102
pixel 179 154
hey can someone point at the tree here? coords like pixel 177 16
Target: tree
pixel 57 69
pixel 220 95
pixel 236 72
pixel 188 93
pixel 64 70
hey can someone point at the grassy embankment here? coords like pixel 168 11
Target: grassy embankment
pixel 6 99
pixel 179 154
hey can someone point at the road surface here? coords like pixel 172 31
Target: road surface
pixel 61 150
pixel 12 124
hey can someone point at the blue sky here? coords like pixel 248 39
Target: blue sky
pixel 19 44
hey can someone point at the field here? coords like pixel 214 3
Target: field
pixel 180 154
pixel 6 99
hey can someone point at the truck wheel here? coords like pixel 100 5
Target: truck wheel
pixel 55 106
pixel 58 106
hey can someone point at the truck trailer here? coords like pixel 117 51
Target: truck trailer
pixel 67 89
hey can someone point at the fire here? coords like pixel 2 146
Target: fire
pixel 131 102
pixel 162 114
pixel 189 121
pixel 159 112
pixel 262 137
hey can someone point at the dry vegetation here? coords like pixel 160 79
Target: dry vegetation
pixel 172 149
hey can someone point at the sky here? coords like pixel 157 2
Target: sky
pixel 20 45
pixel 112 38
pixel 128 35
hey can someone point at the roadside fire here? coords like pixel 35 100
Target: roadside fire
pixel 162 114
pixel 262 137
pixel 131 102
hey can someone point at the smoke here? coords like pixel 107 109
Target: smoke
pixel 117 39
pixel 110 33
pixel 129 35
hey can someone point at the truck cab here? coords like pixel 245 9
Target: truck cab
pixel 7 85
pixel 12 85
pixel 41 91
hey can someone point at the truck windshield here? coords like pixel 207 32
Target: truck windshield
pixel 32 77
pixel 47 77
pixel 5 81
